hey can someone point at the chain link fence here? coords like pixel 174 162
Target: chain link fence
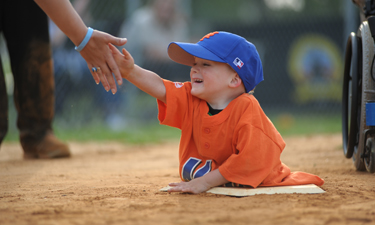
pixel 301 43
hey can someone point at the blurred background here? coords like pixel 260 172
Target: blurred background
pixel 301 43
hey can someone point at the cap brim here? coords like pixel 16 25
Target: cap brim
pixel 184 53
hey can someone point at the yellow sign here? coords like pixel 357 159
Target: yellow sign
pixel 315 66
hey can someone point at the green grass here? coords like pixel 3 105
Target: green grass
pixel 153 133
pixel 294 125
pixel 286 124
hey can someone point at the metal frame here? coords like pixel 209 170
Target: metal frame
pixel 359 89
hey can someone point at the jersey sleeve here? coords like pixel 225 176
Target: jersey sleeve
pixel 173 112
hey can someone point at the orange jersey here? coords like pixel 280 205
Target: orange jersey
pixel 240 141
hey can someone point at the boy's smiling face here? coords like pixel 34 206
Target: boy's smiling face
pixel 209 78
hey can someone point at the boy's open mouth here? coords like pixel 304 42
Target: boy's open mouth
pixel 198 81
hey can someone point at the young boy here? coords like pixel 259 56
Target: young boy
pixel 225 135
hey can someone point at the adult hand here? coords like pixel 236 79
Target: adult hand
pixel 97 54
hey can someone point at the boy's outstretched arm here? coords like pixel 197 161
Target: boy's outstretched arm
pixel 200 184
pixel 146 80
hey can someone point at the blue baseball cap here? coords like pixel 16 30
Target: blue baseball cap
pixel 224 47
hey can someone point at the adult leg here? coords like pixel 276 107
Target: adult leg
pixel 3 105
pixel 26 33
pixel 3 93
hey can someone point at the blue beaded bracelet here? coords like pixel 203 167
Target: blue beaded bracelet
pixel 85 40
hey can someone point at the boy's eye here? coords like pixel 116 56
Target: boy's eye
pixel 206 64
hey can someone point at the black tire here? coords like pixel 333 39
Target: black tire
pixel 351 88
pixel 369 158
pixel 357 107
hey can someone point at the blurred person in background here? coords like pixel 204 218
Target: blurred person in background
pixel 25 28
pixel 149 30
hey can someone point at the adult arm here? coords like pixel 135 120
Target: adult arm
pixel 96 52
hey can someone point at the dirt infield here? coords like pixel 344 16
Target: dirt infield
pixel 110 183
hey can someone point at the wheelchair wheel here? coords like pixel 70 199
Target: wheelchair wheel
pixel 369 155
pixel 350 96
pixel 366 92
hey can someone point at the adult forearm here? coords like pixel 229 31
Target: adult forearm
pixel 96 52
pixel 65 17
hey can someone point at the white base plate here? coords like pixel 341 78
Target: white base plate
pixel 241 192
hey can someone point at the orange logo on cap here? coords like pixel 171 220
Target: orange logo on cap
pixel 209 35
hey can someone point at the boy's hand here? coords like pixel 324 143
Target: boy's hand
pixel 200 184
pixel 194 186
pixel 124 60
pixel 146 80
